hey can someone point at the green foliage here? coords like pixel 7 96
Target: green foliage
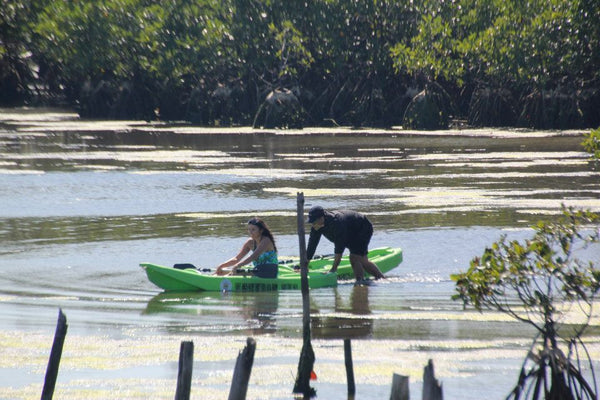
pixel 542 274
pixel 536 49
pixel 432 52
pixel 592 143
pixel 538 282
pixel 80 41
pixel 352 60
pixel 292 52
pixel 96 40
pixel 17 70
pixel 530 43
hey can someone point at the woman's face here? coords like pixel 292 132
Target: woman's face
pixel 254 231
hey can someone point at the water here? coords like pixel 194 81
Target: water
pixel 82 203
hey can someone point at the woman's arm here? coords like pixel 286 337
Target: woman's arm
pixel 233 261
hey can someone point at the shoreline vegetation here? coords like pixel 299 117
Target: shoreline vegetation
pixel 420 64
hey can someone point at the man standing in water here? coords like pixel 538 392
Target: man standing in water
pixel 346 229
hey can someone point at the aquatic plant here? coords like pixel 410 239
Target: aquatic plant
pixel 540 282
pixel 592 144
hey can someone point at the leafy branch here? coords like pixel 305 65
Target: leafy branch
pixel 539 282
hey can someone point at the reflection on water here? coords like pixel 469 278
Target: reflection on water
pixel 350 318
pixel 247 313
pixel 257 313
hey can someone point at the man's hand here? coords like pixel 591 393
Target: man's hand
pixel 336 262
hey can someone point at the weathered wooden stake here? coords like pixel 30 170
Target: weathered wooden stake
pixel 241 373
pixel 432 389
pixel 349 368
pixel 184 375
pixel 303 258
pixel 307 355
pixel 55 355
pixel 400 388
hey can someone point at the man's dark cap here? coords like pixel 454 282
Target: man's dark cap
pixel 315 213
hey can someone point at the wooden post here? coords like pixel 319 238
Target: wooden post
pixel 184 375
pixel 349 368
pixel 400 388
pixel 55 355
pixel 432 389
pixel 303 258
pixel 241 373
pixel 307 355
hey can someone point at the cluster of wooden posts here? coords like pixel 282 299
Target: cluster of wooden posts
pixel 432 389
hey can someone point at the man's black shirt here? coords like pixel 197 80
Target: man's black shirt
pixel 344 228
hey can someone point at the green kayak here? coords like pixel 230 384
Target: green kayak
pixel 172 279
pixel 288 278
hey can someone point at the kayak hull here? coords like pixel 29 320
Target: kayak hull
pixel 173 279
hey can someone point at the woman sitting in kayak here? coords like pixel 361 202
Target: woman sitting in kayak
pixel 264 252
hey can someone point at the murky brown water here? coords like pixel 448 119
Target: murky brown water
pixel 82 203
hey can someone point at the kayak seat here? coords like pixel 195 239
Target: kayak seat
pixel 266 271
pixel 184 266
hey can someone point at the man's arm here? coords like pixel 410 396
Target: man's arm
pixel 336 262
pixel 313 241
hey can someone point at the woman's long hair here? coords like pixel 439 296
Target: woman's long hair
pixel 264 228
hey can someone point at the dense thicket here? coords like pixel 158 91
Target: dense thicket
pixel 420 63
